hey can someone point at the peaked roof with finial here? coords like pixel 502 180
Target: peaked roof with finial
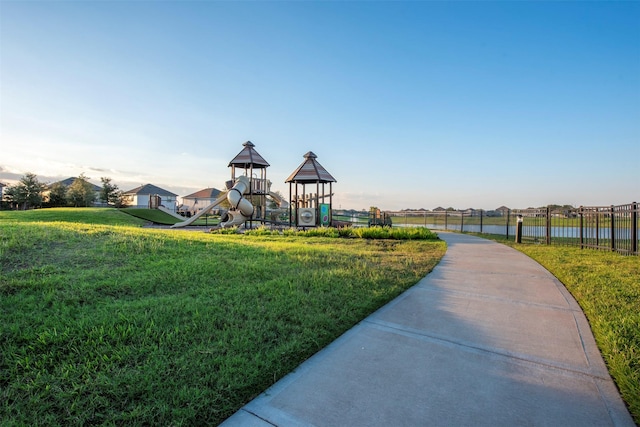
pixel 310 171
pixel 249 157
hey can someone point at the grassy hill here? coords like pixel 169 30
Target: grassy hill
pixel 105 322
pixel 95 216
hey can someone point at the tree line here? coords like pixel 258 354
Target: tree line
pixel 29 193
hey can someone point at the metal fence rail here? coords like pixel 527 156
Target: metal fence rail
pixel 597 227
pixel 610 227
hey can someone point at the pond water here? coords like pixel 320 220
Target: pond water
pixel 532 231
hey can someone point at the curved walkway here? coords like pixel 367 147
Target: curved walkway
pixel 488 338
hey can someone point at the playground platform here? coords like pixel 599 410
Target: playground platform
pixel 488 338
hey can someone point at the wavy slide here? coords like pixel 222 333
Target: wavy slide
pixel 278 199
pixel 241 208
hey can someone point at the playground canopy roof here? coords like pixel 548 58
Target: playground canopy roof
pixel 310 171
pixel 249 157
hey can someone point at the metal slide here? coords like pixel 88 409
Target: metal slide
pixel 202 212
pixel 170 212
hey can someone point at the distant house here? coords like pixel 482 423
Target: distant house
pixel 149 196
pixel 66 183
pixel 503 211
pixel 199 200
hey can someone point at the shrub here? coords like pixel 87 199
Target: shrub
pixel 414 233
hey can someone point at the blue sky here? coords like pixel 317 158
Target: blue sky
pixel 407 104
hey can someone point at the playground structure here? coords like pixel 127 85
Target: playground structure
pixel 379 218
pixel 310 209
pixel 247 191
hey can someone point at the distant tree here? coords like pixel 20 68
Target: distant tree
pixel 13 196
pixel 25 194
pixel 110 193
pixel 80 193
pixel 107 189
pixel 58 195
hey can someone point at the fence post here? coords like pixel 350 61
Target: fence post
pixel 634 227
pixel 519 229
pixel 597 228
pixel 508 214
pixel 613 229
pixel 461 222
pixel 481 212
pixel 581 213
pixel 445 220
pixel 548 225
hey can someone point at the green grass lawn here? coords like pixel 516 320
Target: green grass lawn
pixel 105 322
pixel 607 287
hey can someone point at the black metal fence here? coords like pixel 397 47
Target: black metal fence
pixel 598 227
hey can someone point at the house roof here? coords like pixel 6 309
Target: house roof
pixel 249 157
pixel 67 182
pixel 310 171
pixel 207 193
pixel 150 189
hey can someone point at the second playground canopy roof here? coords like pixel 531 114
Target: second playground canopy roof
pixel 310 171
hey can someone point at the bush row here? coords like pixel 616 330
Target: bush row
pixel 414 233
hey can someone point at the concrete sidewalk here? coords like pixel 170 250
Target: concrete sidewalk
pixel 489 338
